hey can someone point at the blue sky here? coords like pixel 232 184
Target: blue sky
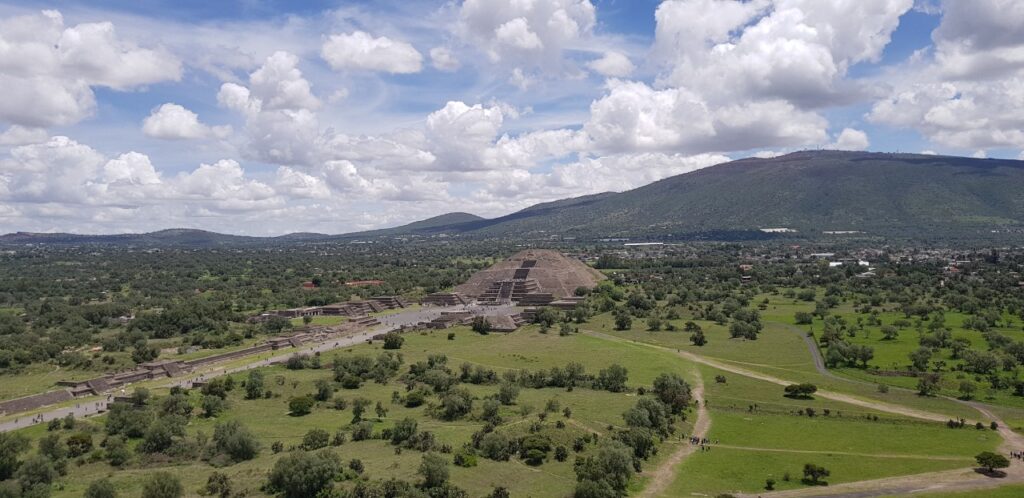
pixel 265 117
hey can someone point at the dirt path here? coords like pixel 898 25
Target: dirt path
pixel 663 476
pixel 945 481
pixel 844 398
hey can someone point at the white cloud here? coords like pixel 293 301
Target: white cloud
pixel 21 135
pixel 57 170
pixel 172 122
pixel 360 50
pixel 613 64
pixel 279 84
pixel 443 59
pixel 132 168
pixel 300 185
pixel 794 50
pixel 526 33
pixel 47 70
pixel 460 132
pixel 967 93
pixel 851 139
pixel 635 117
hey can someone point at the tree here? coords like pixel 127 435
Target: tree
pixel 254 385
pixel 673 391
pixel 606 473
pixel 813 473
pixel 434 471
pixel 803 318
pixel 496 446
pixel 890 333
pixel 804 391
pixel 992 461
pixel 101 488
pixel 316 438
pixel 507 393
pixel 967 389
pixel 359 406
pixel 920 357
pixel 393 340
pixel 534 449
pixel 927 384
pixel 623 321
pixel 233 439
pixel 162 485
pixel 698 338
pixel 35 470
pixel 613 378
pixel 219 485
pixel 455 404
pixel 481 325
pixel 403 431
pixel 324 390
pixel 300 474
pixel 301 405
pixel 212 405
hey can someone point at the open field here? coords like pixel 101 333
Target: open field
pixel 592 412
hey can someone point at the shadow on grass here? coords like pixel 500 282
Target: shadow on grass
pixel 996 474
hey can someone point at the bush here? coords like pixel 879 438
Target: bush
pixel 301 405
pixel 315 439
pixel 162 485
pixel 219 485
pixel 212 405
pixel 301 475
pixel 393 340
pixel 101 488
pixel 235 440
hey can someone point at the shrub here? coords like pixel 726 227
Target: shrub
pixel 315 439
pixel 101 488
pixel 393 340
pixel 302 475
pixel 301 405
pixel 162 485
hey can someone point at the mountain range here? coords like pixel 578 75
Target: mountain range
pixel 808 193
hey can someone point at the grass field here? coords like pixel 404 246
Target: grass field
pixel 321 320
pixel 592 412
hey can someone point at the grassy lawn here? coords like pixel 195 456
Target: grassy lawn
pixel 724 470
pixel 321 320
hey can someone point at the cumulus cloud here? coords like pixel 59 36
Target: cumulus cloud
pixel 443 59
pixel 613 64
pixel 526 34
pixel 851 139
pixel 47 69
pixel 794 50
pixel 636 117
pixel 173 122
pixel 21 135
pixel 360 50
pixel 968 92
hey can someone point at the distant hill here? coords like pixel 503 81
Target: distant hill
pixel 889 195
pixel 905 195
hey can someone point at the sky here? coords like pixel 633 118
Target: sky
pixel 267 117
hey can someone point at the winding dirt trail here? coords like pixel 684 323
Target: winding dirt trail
pixel 663 476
